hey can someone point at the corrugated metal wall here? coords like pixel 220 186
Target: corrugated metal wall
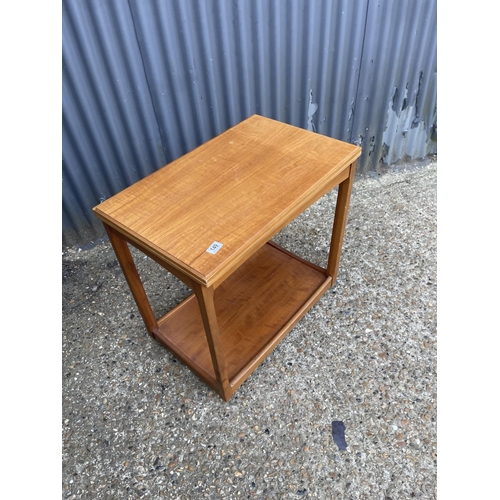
pixel 144 82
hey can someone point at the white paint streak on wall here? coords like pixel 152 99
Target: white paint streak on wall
pixel 412 141
pixel 313 107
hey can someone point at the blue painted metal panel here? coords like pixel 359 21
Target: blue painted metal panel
pixel 144 82
pixel 396 108
pixel 110 132
pixel 211 64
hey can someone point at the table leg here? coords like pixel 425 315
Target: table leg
pixel 343 198
pixel 133 279
pixel 205 298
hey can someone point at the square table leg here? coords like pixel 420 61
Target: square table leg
pixel 206 304
pixel 339 222
pixel 204 295
pixel 127 264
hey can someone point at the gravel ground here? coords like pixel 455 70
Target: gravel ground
pixel 138 424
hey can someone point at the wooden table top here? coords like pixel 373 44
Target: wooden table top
pixel 238 189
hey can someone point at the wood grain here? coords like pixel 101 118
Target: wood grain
pixel 133 279
pixel 254 362
pixel 205 297
pixel 238 189
pixel 251 306
pixel 341 208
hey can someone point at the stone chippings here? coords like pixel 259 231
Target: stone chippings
pixel 136 423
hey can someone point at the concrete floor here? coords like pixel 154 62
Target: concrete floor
pixel 139 424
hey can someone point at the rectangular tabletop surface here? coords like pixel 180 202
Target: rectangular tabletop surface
pixel 237 189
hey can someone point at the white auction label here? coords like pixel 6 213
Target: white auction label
pixel 214 247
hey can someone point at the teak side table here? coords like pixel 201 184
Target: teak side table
pixel 207 217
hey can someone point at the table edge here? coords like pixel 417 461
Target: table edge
pixel 226 268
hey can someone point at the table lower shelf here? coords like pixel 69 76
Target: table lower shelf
pixel 256 307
